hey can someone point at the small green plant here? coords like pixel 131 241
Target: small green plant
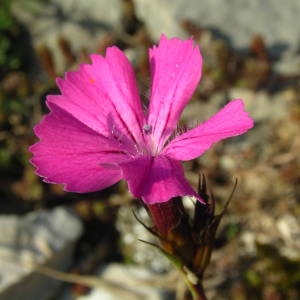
pixel 8 28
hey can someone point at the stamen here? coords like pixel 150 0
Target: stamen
pixel 147 129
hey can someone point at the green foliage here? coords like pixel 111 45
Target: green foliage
pixel 232 230
pixel 287 270
pixel 8 60
pixel 253 278
pixel 5 158
pixel 6 18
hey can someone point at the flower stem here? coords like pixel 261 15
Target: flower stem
pixel 198 292
pixel 194 283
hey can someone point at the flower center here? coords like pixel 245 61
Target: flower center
pixel 147 129
pixel 149 148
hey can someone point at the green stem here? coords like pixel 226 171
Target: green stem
pixel 194 284
pixel 198 292
pixel 177 243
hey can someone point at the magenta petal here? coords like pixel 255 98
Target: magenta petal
pixel 156 179
pixel 72 154
pixel 176 69
pixel 230 121
pixel 104 96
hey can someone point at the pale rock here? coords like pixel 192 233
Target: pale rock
pixel 262 106
pixel 119 281
pixel 289 228
pixel 131 231
pixel 80 23
pixel 41 237
pixel 197 112
pixel 235 20
pixel 288 65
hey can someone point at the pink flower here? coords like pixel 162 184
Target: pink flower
pixel 97 132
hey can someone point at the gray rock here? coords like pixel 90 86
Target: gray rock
pixel 288 65
pixel 131 231
pixel 236 20
pixel 128 282
pixel 197 112
pixel 261 106
pixel 80 23
pixel 42 237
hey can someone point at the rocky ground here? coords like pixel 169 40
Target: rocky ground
pixel 252 56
